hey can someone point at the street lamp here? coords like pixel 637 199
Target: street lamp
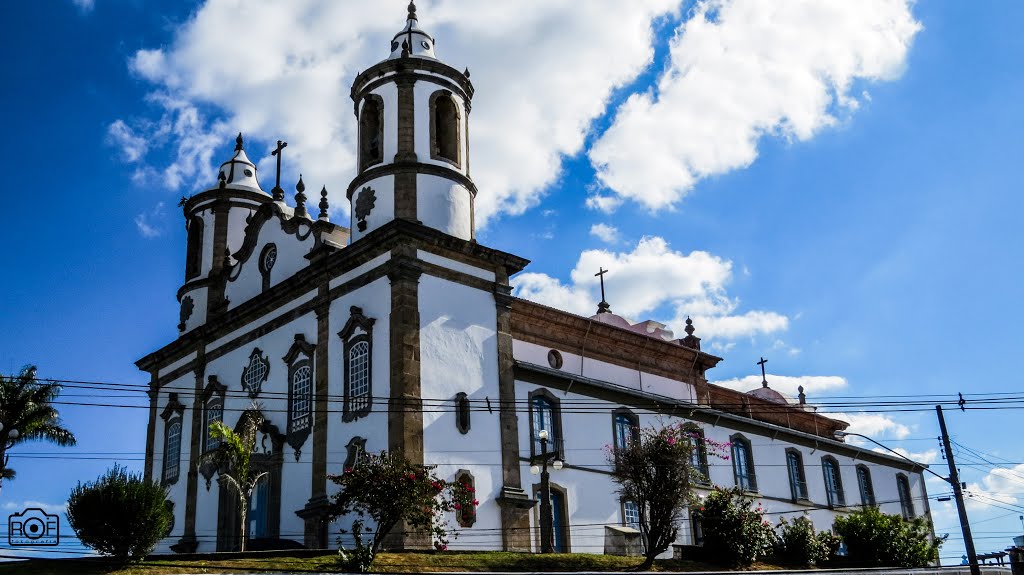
pixel 952 480
pixel 546 531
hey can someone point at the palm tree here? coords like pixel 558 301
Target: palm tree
pixel 27 414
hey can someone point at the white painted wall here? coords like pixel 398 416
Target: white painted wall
pixel 177 491
pixel 291 252
pixel 444 205
pixel 383 209
pixel 474 271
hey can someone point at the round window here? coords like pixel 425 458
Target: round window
pixel 247 172
pixel 269 258
pixel 555 359
pixel 425 44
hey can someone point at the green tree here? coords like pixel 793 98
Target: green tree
pixel 735 531
pixel 27 414
pixel 233 458
pixel 876 539
pixel 799 545
pixel 391 491
pixel 655 471
pixel 120 514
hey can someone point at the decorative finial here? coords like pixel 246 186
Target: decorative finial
pixel 802 397
pixel 323 204
pixel 412 11
pixel 691 341
pixel 223 180
pixel 689 326
pixel 238 142
pixel 466 73
pixel 227 257
pixel 405 49
pixel 300 198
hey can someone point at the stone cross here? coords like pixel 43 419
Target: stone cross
pixel 277 185
pixel 602 307
pixel 764 380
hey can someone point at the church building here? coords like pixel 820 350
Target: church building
pixel 398 331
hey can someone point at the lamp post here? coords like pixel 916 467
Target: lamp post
pixel 952 480
pixel 546 530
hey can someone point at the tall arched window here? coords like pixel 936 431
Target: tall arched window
pixel 358 390
pixel 544 416
pixel 906 502
pixel 445 120
pixel 833 481
pixel 213 411
pixel 797 480
pixel 867 491
pixel 699 458
pixel 371 132
pixel 625 428
pixel 300 392
pixel 743 464
pixel 172 416
pixel 194 248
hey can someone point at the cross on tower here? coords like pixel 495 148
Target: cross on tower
pixel 602 307
pixel 764 380
pixel 278 192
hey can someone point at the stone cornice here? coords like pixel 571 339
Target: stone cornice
pixel 412 167
pixel 407 67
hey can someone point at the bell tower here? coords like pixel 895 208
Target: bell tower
pixel 413 154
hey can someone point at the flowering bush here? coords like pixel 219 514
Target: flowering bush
pixel 735 532
pixel 390 490
pixel 798 544
pixel 655 471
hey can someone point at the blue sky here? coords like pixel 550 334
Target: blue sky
pixel 872 245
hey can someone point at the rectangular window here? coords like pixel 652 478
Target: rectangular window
pixel 906 502
pixel 699 459
pixel 172 451
pixel 867 491
pixel 630 514
pixel 359 376
pixel 833 483
pixel 797 481
pixel 743 464
pixel 214 413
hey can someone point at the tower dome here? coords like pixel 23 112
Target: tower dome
pixel 413 130
pixel 239 173
pixel 411 40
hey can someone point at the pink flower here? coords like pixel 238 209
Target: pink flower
pixel 671 440
pixel 458 506
pixel 475 502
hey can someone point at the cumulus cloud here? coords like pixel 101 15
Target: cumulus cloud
pixel 789 385
pixel 150 224
pixel 19 506
pixel 927 457
pixel 129 143
pixel 606 233
pixel 1001 485
pixel 874 425
pixel 654 279
pixel 245 65
pixel 741 70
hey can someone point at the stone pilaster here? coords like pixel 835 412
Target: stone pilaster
pixel 315 512
pixel 215 303
pixel 154 395
pixel 405 182
pixel 188 542
pixel 405 406
pixel 514 501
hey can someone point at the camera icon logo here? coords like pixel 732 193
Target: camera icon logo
pixel 32 527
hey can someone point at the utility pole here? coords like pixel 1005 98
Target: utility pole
pixel 958 495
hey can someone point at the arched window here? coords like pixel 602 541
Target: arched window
pixel 268 257
pixel 213 404
pixel 444 127
pixel 833 482
pixel 906 502
pixel 625 428
pixel 699 458
pixel 743 464
pixel 371 132
pixel 462 412
pixel 544 415
pixel 300 392
pixel 194 248
pixel 797 479
pixel 172 416
pixel 867 491
pixel 354 452
pixel 358 390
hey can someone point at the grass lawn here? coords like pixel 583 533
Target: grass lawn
pixel 385 563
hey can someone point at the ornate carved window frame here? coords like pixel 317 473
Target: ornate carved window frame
pixel 555 443
pixel 358 329
pixel 797 475
pixel 211 397
pixel 741 447
pixel 435 150
pixel 836 497
pixel 865 485
pixel 463 518
pixel 364 161
pixel 173 414
pixel 463 411
pixel 255 356
pixel 299 359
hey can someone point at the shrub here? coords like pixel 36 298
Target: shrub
pixel 735 533
pixel 876 539
pixel 120 514
pixel 798 545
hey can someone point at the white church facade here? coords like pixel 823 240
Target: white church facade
pixel 400 332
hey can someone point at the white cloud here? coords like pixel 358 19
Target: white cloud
pixel 149 223
pixel 874 425
pixel 283 70
pixel 84 5
pixel 789 385
pixel 19 506
pixel 604 203
pixel 927 457
pixel 654 279
pixel 741 70
pixel 606 233
pixel 1000 485
pixel 133 147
